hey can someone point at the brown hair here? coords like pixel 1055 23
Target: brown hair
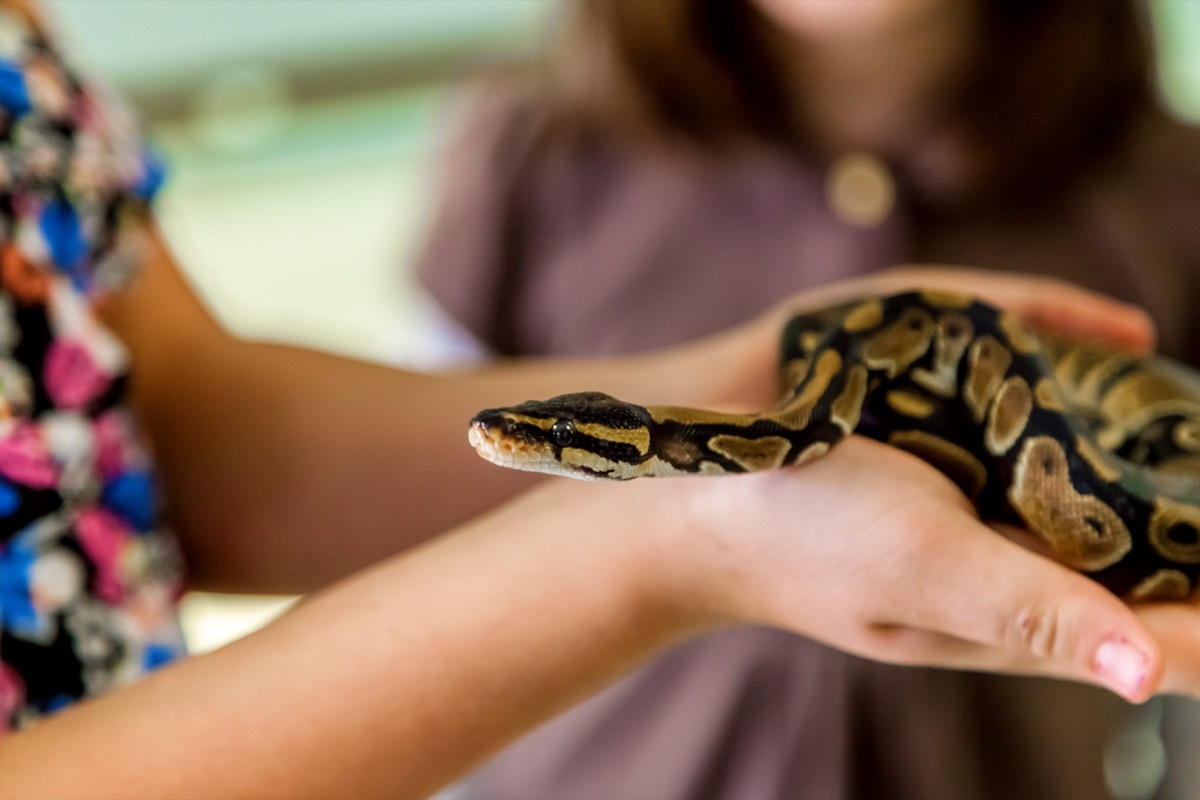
pixel 1052 84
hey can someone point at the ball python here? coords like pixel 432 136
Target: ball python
pixel 1094 451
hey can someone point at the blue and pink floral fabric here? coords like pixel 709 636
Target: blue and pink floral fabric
pixel 89 578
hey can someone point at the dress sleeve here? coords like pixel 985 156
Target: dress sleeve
pixel 474 249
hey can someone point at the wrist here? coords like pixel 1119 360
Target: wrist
pixel 655 543
pixel 610 540
pixel 689 553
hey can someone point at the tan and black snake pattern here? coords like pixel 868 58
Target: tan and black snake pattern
pixel 1097 452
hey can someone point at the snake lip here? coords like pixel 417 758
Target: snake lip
pixel 488 440
pixel 477 437
pixel 497 444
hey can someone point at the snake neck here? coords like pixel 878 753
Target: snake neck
pixel 687 441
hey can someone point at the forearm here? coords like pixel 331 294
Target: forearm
pixel 389 684
pixel 333 464
pixel 286 467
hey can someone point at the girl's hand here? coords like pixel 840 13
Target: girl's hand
pixel 746 357
pixel 1047 304
pixel 871 550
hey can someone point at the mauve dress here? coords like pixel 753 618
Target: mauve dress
pixel 599 247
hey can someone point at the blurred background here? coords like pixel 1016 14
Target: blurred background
pixel 304 138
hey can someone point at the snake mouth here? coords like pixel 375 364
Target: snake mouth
pixel 499 447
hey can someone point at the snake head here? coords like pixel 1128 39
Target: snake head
pixel 587 435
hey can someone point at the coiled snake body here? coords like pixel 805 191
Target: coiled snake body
pixel 1096 452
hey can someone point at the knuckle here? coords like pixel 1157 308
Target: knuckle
pixel 1035 630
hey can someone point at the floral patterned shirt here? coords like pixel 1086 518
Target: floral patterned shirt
pixel 89 578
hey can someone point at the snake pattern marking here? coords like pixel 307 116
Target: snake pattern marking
pixel 1096 452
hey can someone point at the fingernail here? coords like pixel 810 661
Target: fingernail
pixel 1122 666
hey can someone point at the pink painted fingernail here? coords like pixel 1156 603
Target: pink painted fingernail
pixel 1122 666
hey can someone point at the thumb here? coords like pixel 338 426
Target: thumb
pixel 1087 632
pixel 1035 615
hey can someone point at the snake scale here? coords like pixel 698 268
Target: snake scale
pixel 1095 451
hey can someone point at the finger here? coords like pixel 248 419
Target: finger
pixel 1046 303
pixel 1177 627
pixel 917 647
pixel 1080 315
pixel 979 587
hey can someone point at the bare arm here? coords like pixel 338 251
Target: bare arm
pixel 399 679
pixel 286 468
pixel 388 685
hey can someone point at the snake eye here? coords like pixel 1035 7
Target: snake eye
pixel 563 432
